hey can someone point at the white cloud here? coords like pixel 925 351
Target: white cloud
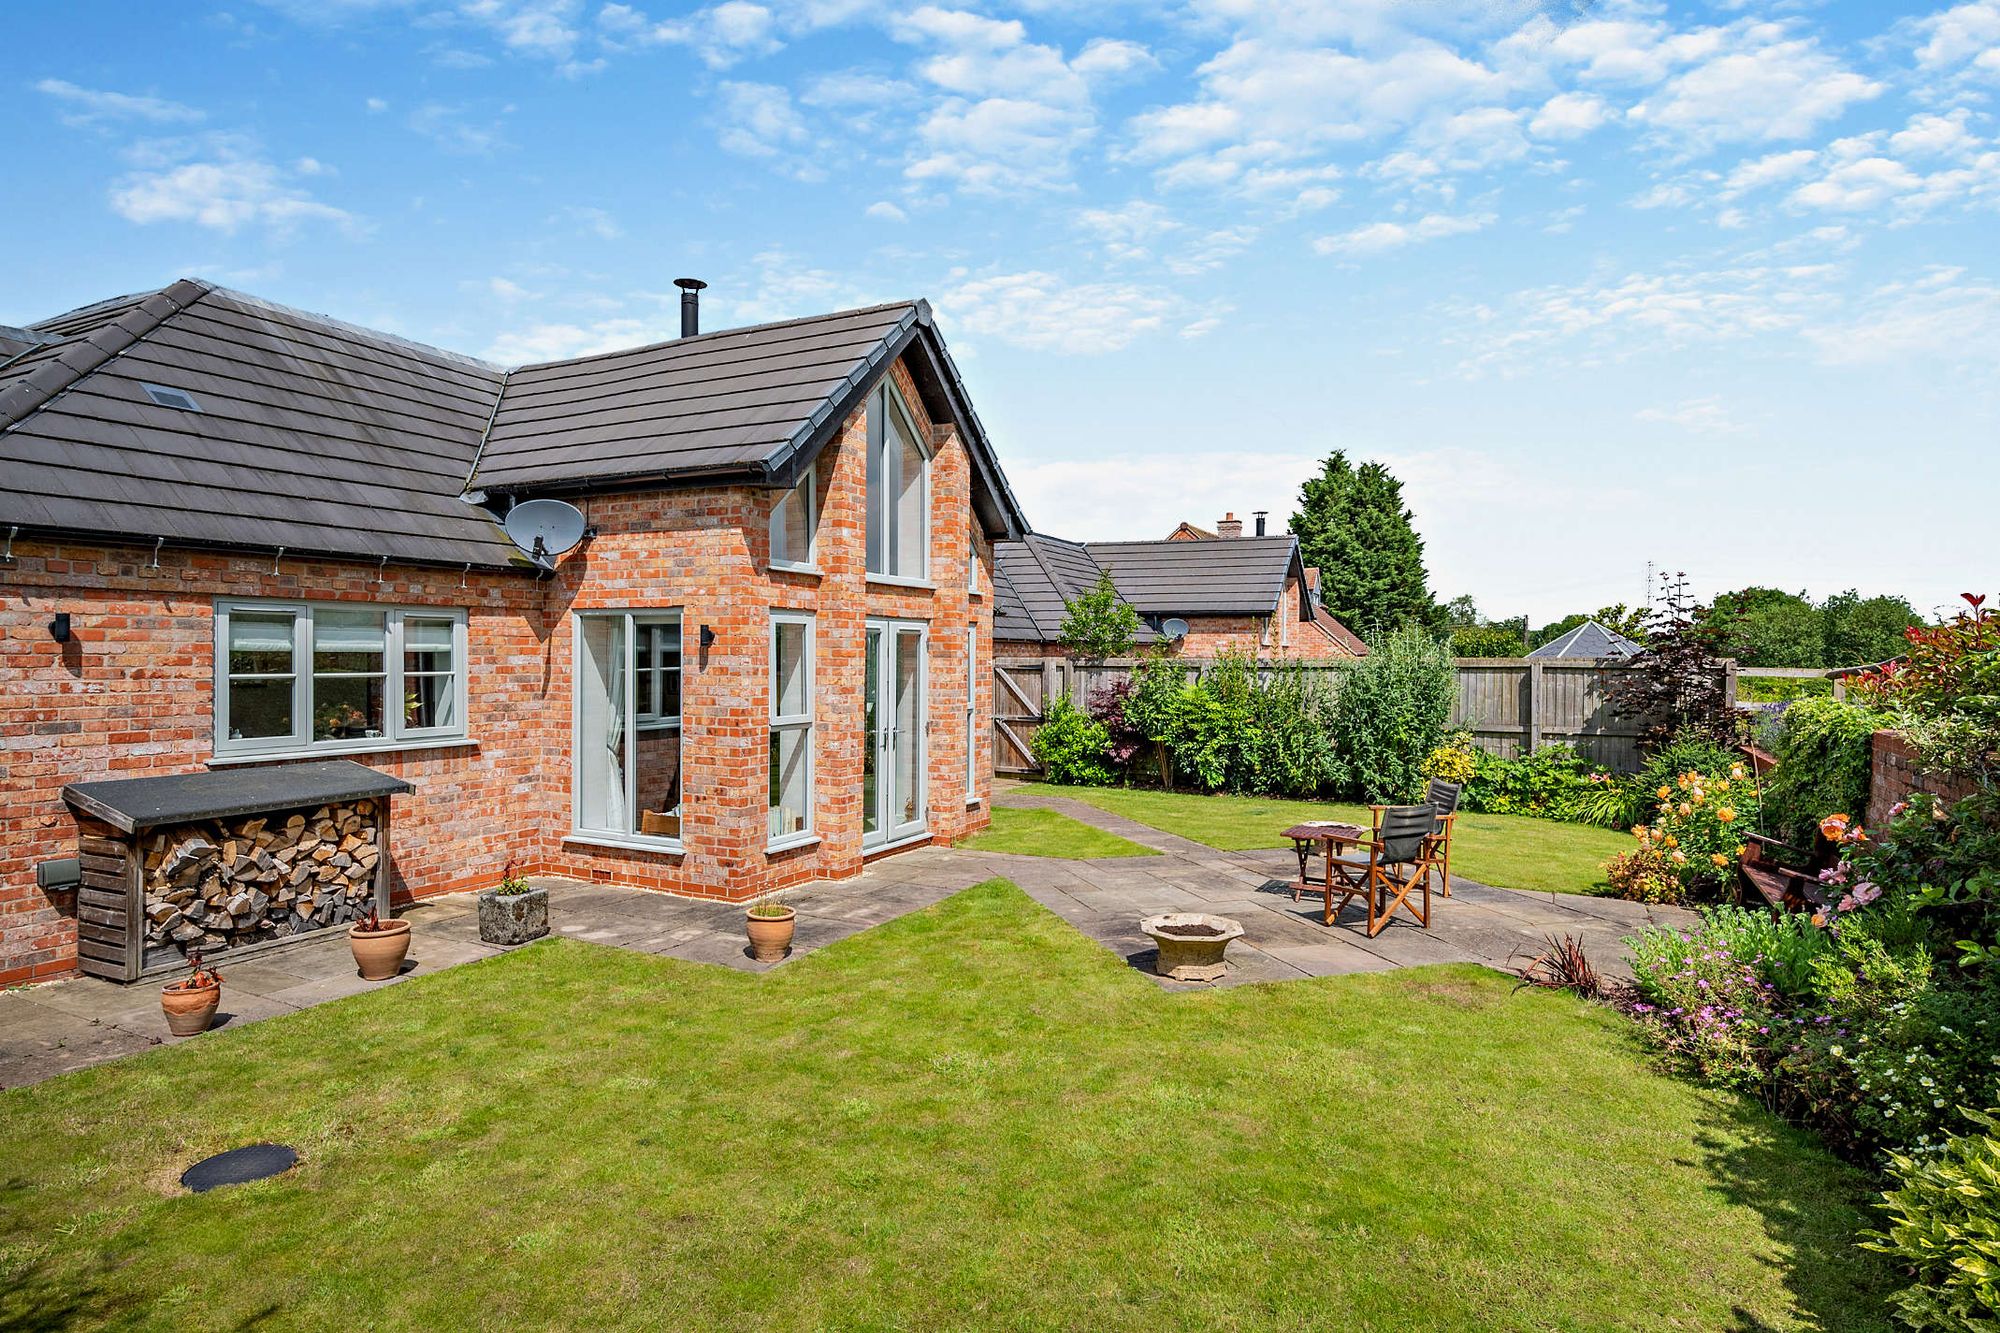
pixel 758 120
pixel 226 192
pixel 1695 416
pixel 1853 186
pixel 376 105
pixel 721 35
pixel 1764 85
pixel 556 341
pixel 884 211
pixel 450 128
pixel 1569 116
pixel 92 106
pixel 596 221
pixel 1937 319
pixel 1771 169
pixel 1963 37
pixel 1377 237
pixel 1044 313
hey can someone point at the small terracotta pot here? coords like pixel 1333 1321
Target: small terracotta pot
pixel 380 953
pixel 189 1010
pixel 771 936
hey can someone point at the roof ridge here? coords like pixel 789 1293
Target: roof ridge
pixel 89 352
pixel 360 330
pixel 914 303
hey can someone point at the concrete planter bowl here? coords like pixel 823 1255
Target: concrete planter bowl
pixel 513 918
pixel 771 932
pixel 1191 944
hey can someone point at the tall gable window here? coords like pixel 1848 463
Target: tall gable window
pixel 299 676
pixel 795 525
pixel 898 490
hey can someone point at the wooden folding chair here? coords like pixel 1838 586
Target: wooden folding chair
pixel 1443 798
pixel 1401 855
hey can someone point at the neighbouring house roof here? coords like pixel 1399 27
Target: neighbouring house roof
pixel 1188 532
pixel 1591 640
pixel 1036 577
pixel 324 438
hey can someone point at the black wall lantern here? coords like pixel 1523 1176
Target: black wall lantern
pixel 707 637
pixel 59 627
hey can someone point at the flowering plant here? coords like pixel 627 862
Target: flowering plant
pixel 1945 690
pixel 1699 826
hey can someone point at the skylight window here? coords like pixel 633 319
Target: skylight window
pixel 178 399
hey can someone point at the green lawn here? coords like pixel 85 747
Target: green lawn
pixel 1509 851
pixel 1050 833
pixel 970 1117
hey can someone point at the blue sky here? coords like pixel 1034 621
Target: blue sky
pixel 1714 285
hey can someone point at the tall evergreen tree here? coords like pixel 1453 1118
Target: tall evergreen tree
pixel 1351 522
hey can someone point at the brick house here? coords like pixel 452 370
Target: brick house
pixel 1198 591
pixel 239 534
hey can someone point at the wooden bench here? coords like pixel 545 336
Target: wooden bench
pixel 1781 886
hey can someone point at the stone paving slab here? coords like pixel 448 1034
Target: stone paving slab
pixel 53 1028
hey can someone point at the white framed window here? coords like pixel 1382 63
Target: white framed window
pixel 972 588
pixel 972 713
pixel 898 490
pixel 791 776
pixel 313 677
pixel 795 525
pixel 625 769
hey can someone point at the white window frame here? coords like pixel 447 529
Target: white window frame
pixel 808 487
pixel 800 722
pixel 656 720
pixel 632 617
pixel 972 587
pixel 396 733
pixel 972 714
pixel 888 399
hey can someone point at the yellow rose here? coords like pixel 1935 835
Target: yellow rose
pixel 1723 785
pixel 1725 814
pixel 1699 796
pixel 1680 858
pixel 1665 792
pixel 1671 840
pixel 1685 809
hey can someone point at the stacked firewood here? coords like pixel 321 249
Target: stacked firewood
pixel 218 883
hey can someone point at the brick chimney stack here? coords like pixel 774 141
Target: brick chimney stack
pixel 1229 526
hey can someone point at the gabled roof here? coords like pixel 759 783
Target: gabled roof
pixel 324 438
pixel 1188 532
pixel 1034 578
pixel 1590 640
pixel 1233 576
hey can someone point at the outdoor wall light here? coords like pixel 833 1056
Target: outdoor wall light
pixel 707 637
pixel 59 627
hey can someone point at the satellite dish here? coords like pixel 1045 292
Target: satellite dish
pixel 545 528
pixel 1174 628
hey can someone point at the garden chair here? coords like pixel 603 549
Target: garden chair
pixel 1401 853
pixel 1779 885
pixel 1442 797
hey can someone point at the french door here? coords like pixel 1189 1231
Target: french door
pixel 893 772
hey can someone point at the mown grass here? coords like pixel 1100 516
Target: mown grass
pixel 1510 851
pixel 970 1117
pixel 1050 833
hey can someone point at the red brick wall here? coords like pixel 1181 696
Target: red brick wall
pixel 1893 776
pixel 132 693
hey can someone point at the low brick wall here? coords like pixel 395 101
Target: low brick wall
pixel 1893 776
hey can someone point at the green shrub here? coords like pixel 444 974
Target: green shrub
pixel 1822 769
pixel 1644 875
pixel 1288 750
pixel 1071 747
pixel 1549 783
pixel 1391 712
pixel 1687 752
pixel 1944 1228
pixel 1454 761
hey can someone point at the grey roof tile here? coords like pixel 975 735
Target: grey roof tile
pixel 1590 640
pixel 326 438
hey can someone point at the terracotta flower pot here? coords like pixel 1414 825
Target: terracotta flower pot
pixel 189 1009
pixel 771 936
pixel 380 953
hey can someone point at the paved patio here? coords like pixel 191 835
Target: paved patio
pixel 51 1029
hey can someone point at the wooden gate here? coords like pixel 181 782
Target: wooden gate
pixel 1020 688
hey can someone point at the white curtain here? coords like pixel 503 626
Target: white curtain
pixel 617 815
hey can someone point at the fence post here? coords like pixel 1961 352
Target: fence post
pixel 1532 723
pixel 1729 682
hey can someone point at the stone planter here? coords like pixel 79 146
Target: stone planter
pixel 771 936
pixel 513 918
pixel 189 1009
pixel 379 953
pixel 1191 944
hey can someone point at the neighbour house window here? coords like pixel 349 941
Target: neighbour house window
pixel 626 769
pixel 294 676
pixel 972 567
pixel 795 524
pixel 791 802
pixel 972 713
pixel 898 490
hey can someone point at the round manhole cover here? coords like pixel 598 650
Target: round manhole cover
pixel 238 1166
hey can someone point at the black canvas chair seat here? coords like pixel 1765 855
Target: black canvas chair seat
pixel 1402 850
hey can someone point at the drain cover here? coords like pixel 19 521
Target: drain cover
pixel 239 1165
